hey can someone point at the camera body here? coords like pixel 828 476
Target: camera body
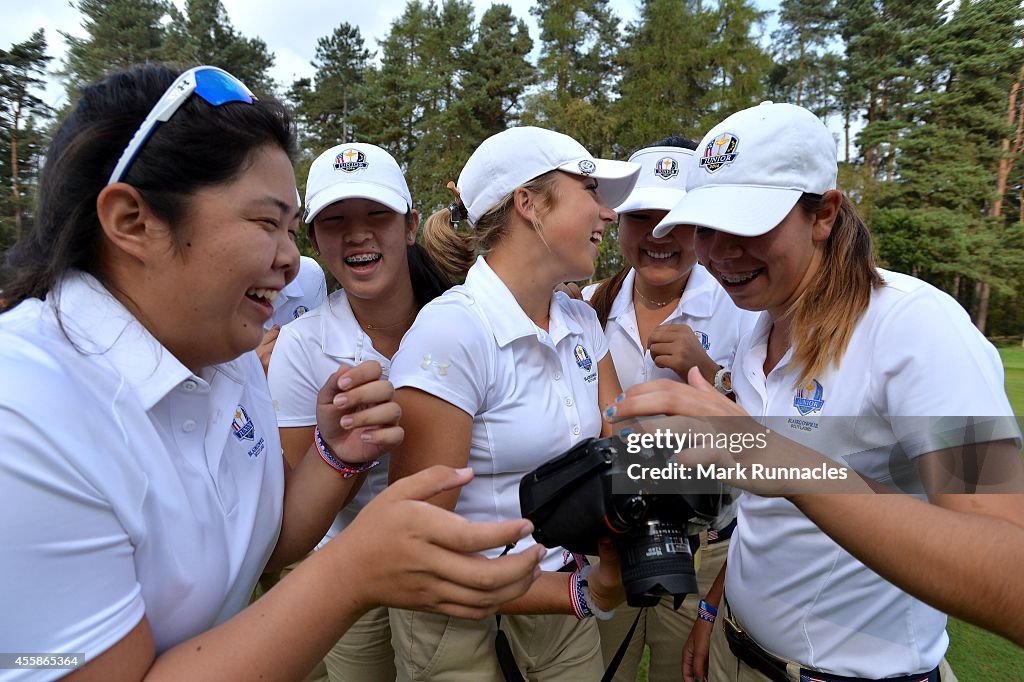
pixel 586 494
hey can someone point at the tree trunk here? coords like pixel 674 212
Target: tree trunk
pixel 1006 162
pixel 15 189
pixel 981 317
pixel 1008 158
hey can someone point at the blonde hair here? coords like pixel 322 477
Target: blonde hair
pixel 824 315
pixel 455 251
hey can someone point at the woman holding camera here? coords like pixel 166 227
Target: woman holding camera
pixel 662 314
pixel 143 486
pixel 859 370
pixel 501 374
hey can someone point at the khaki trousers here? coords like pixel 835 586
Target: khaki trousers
pixel 661 627
pixel 434 647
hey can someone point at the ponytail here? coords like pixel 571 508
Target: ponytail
pixel 827 311
pixel 605 294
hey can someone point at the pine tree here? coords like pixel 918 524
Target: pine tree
pixel 666 73
pixel 498 71
pixel 23 118
pixel 121 34
pixel 579 40
pixel 802 74
pixel 935 215
pixel 739 63
pixel 203 34
pixel 324 105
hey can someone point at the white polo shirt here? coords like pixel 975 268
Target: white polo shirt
pixel 307 352
pixel 130 485
pixel 532 393
pixel 914 357
pixel 304 293
pixel 709 312
pixel 704 306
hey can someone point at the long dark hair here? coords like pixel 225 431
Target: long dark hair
pixel 199 146
pixel 609 288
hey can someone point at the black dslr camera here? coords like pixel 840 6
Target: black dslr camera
pixel 586 494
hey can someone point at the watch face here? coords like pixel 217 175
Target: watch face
pixel 727 382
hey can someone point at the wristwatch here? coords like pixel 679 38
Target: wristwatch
pixel 723 381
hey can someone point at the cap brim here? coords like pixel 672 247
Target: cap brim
pixel 615 178
pixel 354 190
pixel 743 211
pixel 651 199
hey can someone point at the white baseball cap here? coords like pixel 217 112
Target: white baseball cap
pixel 355 171
pixel 662 181
pixel 515 156
pixel 751 169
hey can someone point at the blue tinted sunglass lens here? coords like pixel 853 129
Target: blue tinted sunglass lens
pixel 217 87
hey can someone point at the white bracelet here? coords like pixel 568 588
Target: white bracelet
pixel 591 604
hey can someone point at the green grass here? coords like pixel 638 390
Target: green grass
pixel 975 654
pixel 1013 364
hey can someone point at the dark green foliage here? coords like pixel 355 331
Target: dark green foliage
pixel 324 105
pixel 917 92
pixel 203 34
pixel 23 122
pixel 121 34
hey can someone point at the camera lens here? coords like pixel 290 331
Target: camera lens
pixel 656 560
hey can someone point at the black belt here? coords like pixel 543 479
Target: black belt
pixel 747 650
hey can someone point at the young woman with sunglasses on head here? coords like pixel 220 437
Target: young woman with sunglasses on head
pixel 663 313
pixel 362 224
pixel 502 375
pixel 874 378
pixel 143 486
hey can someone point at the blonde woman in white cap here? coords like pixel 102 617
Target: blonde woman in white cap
pixel 662 314
pixel 502 374
pixel 361 222
pixel 856 370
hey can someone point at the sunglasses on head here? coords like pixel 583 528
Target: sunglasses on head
pixel 215 86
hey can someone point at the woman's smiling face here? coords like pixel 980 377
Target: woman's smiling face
pixel 363 243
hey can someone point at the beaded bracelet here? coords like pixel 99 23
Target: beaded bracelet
pixel 706 611
pixel 344 468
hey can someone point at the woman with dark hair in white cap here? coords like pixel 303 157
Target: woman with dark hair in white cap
pixel 143 485
pixel 868 380
pixel 501 374
pixel 663 313
pixel 361 222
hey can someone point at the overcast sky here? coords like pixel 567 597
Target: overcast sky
pixel 290 29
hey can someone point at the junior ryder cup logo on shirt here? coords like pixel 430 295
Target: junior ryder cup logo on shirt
pixel 299 312
pixel 583 360
pixel 809 399
pixel 705 342
pixel 241 425
pixel 244 429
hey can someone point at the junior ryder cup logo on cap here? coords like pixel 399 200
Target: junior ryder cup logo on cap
pixel 583 360
pixel 666 168
pixel 721 151
pixel 809 398
pixel 350 161
pixel 241 425
pixel 587 166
